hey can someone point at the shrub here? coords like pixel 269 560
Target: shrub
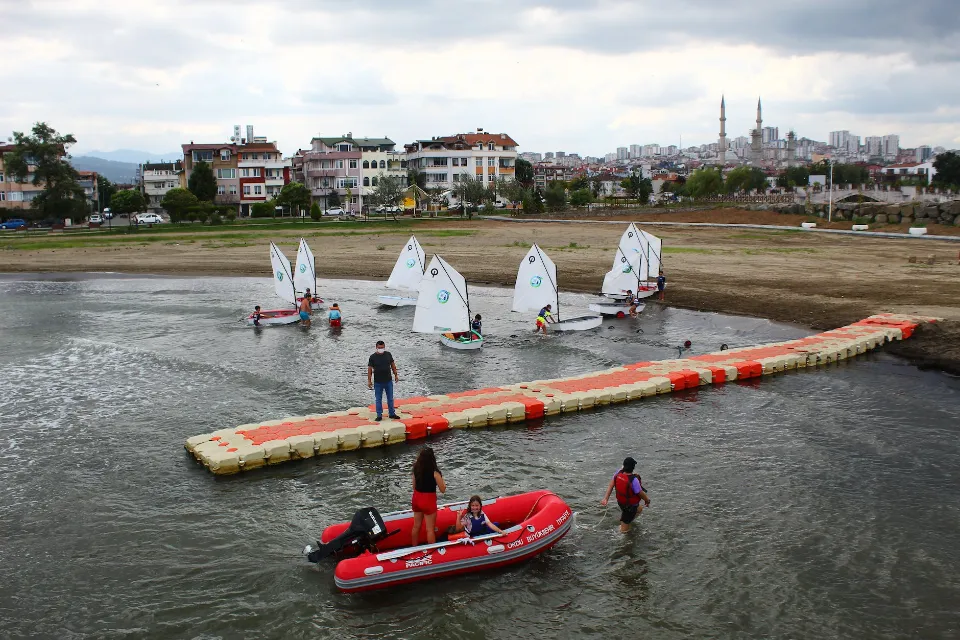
pixel 215 219
pixel 261 210
pixel 315 213
pixel 231 217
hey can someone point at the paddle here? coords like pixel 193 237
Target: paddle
pixel 400 553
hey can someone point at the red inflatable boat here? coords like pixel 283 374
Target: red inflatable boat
pixel 376 549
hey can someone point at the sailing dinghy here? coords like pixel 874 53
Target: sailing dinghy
pixel 636 258
pixel 283 285
pixel 537 287
pixel 443 306
pixel 406 275
pixel 305 275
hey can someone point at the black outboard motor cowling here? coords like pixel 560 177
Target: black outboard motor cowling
pixel 365 530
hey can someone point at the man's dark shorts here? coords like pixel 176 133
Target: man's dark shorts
pixel 628 512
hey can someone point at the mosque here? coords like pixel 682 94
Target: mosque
pixel 756 153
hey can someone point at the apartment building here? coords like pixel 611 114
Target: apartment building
pixel 155 179
pixel 544 173
pixel 20 195
pixel 246 172
pixel 379 158
pixel 332 165
pixel 483 155
pixel 15 195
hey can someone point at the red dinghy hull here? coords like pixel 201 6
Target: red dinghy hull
pixel 533 522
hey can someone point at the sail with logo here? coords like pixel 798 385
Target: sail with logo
pixel 305 274
pixel 406 275
pixel 637 257
pixel 537 286
pixel 285 289
pixel 443 306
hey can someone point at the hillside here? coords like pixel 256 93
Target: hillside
pixel 118 172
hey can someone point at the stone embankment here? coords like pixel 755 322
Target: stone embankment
pixel 911 213
pixel 250 446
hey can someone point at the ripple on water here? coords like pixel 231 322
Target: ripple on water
pixel 815 504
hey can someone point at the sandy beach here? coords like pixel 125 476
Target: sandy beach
pixel 817 280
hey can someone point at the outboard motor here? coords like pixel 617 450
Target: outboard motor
pixel 365 531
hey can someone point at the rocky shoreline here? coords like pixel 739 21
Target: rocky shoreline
pixel 908 213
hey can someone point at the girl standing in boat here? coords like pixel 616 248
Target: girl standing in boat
pixel 426 480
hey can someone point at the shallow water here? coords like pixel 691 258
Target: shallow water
pixel 818 503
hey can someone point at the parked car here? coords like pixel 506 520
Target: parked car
pixel 14 223
pixel 388 208
pixel 96 218
pixel 148 218
pixel 335 211
pixel 500 204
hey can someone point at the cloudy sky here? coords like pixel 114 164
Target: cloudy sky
pixel 583 76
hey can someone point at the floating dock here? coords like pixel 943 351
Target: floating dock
pixel 251 446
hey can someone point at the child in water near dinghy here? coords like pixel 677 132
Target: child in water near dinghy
pixel 334 316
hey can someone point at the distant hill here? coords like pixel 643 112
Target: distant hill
pixel 134 156
pixel 117 172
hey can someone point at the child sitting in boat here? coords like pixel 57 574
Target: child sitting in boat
pixel 473 522
pixel 335 316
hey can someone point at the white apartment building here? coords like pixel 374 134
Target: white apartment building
pixel 891 146
pixel 379 157
pixel 156 178
pixel 874 146
pixel 483 155
pixel 623 153
pixel 650 150
pixel 635 151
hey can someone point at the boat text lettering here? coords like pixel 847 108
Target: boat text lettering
pixel 540 534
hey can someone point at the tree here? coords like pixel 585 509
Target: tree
pixel 948 168
pixel 578 183
pixel 511 190
pixel 556 196
pixel 639 188
pixel 262 210
pixel 703 183
pixel 581 197
pixel 471 192
pixel 333 199
pixel 524 173
pixel 294 195
pixel 105 189
pixel 532 202
pixel 177 203
pixel 417 177
pixel 127 201
pixel 202 183
pixel 315 213
pixel 795 175
pixel 746 179
pixel 41 158
pixel 389 191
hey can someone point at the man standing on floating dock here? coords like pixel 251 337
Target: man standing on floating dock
pixel 379 367
pixel 629 493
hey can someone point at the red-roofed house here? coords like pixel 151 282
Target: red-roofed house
pixel 486 156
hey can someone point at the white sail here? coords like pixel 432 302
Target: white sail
pixel 282 277
pixel 408 272
pixel 636 242
pixel 441 300
pixel 623 276
pixel 536 282
pixel 305 273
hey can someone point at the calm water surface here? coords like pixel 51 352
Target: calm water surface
pixel 819 503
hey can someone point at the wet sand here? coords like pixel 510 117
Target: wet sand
pixel 817 280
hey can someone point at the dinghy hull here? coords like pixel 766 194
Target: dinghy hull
pixel 614 308
pixel 582 323
pixel 532 523
pixel 475 341
pixel 276 317
pixel 396 301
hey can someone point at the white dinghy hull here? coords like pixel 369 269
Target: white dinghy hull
pixel 582 323
pixel 276 317
pixel 396 301
pixel 614 309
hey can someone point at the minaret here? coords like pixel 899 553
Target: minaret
pixel 791 148
pixel 722 143
pixel 756 142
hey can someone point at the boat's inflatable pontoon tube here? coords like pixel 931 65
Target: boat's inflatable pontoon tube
pixel 250 446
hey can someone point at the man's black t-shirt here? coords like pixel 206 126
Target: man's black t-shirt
pixel 381 366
